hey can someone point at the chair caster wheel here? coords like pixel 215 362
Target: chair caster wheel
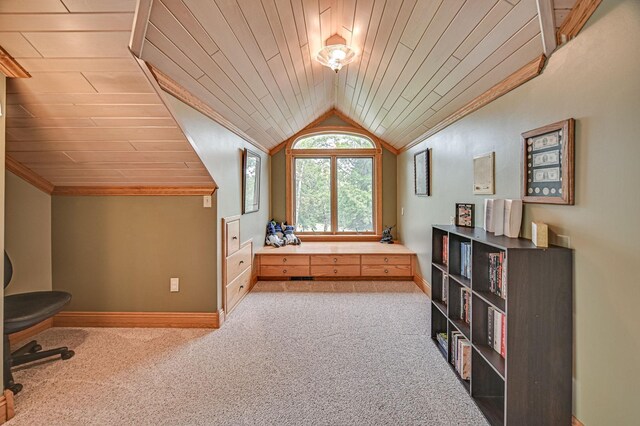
pixel 15 388
pixel 36 348
pixel 67 354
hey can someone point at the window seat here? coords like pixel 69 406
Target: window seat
pixel 337 260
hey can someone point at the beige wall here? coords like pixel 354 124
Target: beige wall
pixel 595 79
pixel 278 187
pixel 27 235
pixel 119 253
pixel 221 152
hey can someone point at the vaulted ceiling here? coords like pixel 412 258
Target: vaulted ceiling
pixel 418 61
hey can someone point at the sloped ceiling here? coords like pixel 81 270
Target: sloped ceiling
pixel 88 116
pixel 418 61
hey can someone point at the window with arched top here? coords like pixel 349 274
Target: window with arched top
pixel 334 185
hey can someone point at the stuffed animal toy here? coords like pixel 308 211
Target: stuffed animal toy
pixel 274 237
pixel 289 236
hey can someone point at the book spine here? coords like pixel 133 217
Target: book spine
pixel 490 327
pixel 503 346
pixel 497 333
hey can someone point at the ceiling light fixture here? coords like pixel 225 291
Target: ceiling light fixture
pixel 336 53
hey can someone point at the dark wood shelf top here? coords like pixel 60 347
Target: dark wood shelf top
pixel 440 266
pixel 461 280
pixel 442 307
pixel 500 242
pixel 492 299
pixel 493 358
pixel 462 327
pixel 492 408
pixel 442 350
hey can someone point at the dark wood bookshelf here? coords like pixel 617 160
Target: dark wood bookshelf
pixel 532 383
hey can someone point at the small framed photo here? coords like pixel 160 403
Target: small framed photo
pixel 464 215
pixel 483 174
pixel 422 170
pixel 548 159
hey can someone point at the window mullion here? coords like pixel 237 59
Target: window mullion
pixel 334 196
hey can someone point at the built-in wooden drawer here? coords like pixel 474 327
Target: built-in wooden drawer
pixel 335 270
pixel 272 259
pixel 233 237
pixel 283 270
pixel 386 270
pixel 338 259
pixel 237 289
pixel 383 259
pixel 238 262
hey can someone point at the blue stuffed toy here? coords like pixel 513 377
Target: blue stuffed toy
pixel 275 236
pixel 289 236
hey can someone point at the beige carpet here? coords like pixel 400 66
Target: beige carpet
pixel 300 353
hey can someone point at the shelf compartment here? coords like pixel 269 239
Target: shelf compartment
pixel 461 280
pixel 439 324
pixel 455 255
pixel 481 273
pixel 479 324
pixel 487 390
pixel 436 247
pixel 454 308
pixel 439 287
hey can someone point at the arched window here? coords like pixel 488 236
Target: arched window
pixel 333 185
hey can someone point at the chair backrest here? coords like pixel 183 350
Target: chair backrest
pixel 8 270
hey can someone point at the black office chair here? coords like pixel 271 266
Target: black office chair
pixel 22 311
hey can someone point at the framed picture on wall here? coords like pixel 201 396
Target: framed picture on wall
pixel 483 174
pixel 422 170
pixel 464 215
pixel 548 175
pixel 250 182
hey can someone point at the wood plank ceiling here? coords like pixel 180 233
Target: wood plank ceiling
pixel 88 116
pixel 418 60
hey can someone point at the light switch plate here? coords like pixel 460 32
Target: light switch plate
pixel 175 284
pixel 206 201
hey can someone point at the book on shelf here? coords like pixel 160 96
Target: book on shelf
pixel 465 305
pixel 498 274
pixel 443 341
pixel 488 214
pixel 496 331
pixel 445 288
pixel 494 215
pixel 512 218
pixel 465 259
pixel 445 249
pixel 461 355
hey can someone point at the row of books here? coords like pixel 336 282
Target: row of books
pixel 445 288
pixel 503 217
pixel 465 259
pixel 498 274
pixel 443 341
pixel 496 331
pixel 465 305
pixel 461 355
pixel 445 249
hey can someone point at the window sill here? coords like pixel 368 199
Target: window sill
pixel 325 237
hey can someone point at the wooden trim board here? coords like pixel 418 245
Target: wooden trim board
pixel 524 74
pixel 30 332
pixel 7 407
pixel 137 319
pixel 576 422
pixel 135 190
pixel 422 285
pixel 28 175
pixel 10 67
pixel 575 20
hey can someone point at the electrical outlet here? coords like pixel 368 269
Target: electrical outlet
pixel 206 201
pixel 175 284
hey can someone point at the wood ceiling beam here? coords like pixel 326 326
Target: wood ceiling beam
pixel 10 67
pixel 546 16
pixel 28 175
pixel 575 20
pixel 524 74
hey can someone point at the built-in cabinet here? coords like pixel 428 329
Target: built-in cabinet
pixel 237 264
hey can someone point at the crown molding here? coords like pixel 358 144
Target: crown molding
pixel 28 175
pixel 10 67
pixel 575 20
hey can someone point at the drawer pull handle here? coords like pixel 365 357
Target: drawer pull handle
pixel 335 259
pixel 284 271
pixel 386 259
pixel 241 287
pixel 335 271
pixel 241 262
pixel 386 271
pixel 284 260
pixel 234 238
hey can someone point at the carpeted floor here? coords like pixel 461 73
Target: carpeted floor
pixel 323 353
